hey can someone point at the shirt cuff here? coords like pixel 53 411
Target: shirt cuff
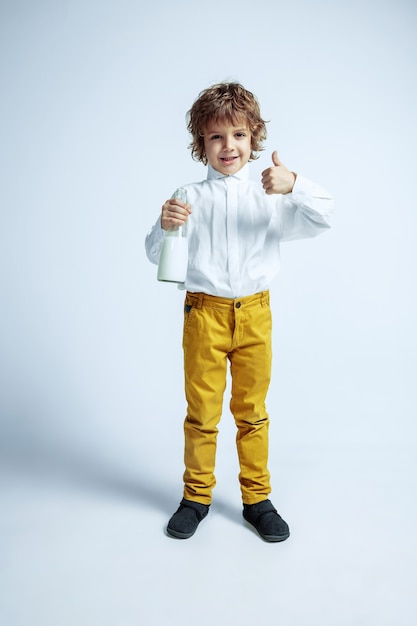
pixel 303 187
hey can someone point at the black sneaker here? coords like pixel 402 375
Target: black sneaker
pixel 264 517
pixel 185 520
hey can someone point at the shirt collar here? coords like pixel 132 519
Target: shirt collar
pixel 242 174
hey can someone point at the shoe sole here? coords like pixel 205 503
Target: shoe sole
pixel 177 535
pixel 274 538
pixel 268 538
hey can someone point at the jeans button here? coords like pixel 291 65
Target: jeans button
pixel 238 305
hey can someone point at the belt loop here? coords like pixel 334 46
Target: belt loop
pixel 265 298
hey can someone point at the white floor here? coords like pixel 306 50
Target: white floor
pixel 84 544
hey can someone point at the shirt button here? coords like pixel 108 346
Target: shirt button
pixel 238 305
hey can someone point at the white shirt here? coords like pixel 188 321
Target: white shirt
pixel 235 229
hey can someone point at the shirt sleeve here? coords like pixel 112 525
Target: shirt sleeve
pixel 306 211
pixel 153 242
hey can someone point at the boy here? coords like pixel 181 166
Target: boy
pixel 234 228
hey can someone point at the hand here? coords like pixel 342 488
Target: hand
pixel 174 213
pixel 277 179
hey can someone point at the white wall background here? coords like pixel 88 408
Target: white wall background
pixel 93 140
pixel 94 96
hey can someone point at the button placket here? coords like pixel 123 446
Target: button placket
pixel 239 323
pixel 232 233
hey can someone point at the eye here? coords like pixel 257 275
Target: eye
pixel 215 137
pixel 240 135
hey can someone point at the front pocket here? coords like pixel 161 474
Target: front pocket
pixel 188 308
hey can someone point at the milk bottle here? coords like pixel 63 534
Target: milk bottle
pixel 173 261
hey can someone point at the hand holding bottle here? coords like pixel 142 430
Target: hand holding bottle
pixel 175 212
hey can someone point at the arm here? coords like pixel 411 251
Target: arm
pixel 153 242
pixel 306 212
pixel 305 208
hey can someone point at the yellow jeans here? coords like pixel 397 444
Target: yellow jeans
pixel 218 330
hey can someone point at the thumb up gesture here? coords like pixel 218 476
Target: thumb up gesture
pixel 278 178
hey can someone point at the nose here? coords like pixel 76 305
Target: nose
pixel 228 143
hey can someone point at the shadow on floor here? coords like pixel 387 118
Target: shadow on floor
pixel 87 471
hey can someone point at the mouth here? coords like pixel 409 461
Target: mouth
pixel 228 160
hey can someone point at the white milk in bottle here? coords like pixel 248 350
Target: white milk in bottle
pixel 173 262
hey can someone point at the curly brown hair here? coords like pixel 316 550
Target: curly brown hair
pixel 230 102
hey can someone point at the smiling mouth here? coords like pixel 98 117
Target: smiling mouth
pixel 228 159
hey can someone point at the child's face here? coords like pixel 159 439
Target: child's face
pixel 227 147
